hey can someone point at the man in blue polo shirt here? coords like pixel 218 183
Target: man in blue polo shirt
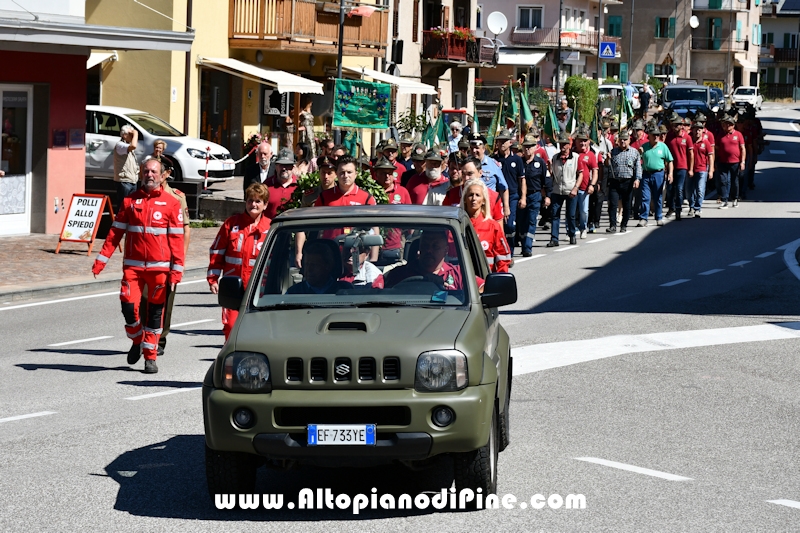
pixel 492 173
pixel 513 169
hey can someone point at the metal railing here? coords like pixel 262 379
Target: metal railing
pixel 549 37
pixel 717 44
pixel 785 55
pixel 723 5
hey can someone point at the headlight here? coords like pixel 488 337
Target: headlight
pixel 246 372
pixel 194 152
pixel 441 371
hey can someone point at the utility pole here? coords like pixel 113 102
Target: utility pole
pixel 558 56
pixel 337 135
pixel 599 40
pixel 630 43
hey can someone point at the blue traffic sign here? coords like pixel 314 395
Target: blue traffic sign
pixel 608 50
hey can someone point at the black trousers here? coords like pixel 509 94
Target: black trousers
pixel 167 316
pixel 619 190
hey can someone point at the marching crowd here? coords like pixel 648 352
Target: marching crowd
pixel 508 190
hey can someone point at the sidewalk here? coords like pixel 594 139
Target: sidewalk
pixel 30 268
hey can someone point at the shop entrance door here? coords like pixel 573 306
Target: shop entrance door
pixel 15 159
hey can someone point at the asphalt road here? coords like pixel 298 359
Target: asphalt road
pixel 677 409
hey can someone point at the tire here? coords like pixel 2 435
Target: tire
pixel 177 174
pixel 230 472
pixel 478 469
pixel 504 438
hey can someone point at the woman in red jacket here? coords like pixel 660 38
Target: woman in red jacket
pixel 475 201
pixel 234 251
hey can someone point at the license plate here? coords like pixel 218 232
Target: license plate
pixel 341 434
pixel 228 166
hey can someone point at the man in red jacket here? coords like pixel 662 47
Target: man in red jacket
pixel 152 223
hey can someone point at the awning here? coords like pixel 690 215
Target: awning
pixel 519 57
pixel 93 36
pixel 404 85
pixel 97 58
pixel 746 64
pixel 283 81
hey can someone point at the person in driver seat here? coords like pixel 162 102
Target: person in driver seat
pixel 429 262
pixel 322 266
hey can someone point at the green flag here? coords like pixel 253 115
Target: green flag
pixel 511 109
pixel 551 123
pixel 573 124
pixel 350 142
pixel 498 117
pixel 475 125
pixel 361 104
pixel 594 126
pixel 436 133
pixel 526 116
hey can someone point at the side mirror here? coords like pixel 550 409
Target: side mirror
pixel 499 289
pixel 231 292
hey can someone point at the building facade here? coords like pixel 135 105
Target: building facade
pixel 714 42
pixel 779 58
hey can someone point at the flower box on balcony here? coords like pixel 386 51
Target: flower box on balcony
pixel 447 47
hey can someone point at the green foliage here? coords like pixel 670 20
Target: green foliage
pixel 408 122
pixel 539 97
pixel 308 182
pixel 581 95
pixel 655 83
pixel 205 223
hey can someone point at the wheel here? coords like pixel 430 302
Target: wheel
pixel 177 174
pixel 478 469
pixel 230 472
pixel 504 426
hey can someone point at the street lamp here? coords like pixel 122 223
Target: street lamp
pixel 337 135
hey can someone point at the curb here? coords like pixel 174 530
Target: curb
pixel 790 257
pixel 16 294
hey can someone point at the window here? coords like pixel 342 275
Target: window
pixel 479 18
pixel 614 26
pixel 648 69
pixel 533 73
pixel 529 17
pixel 665 28
pixel 611 70
pixel 461 17
pixel 582 20
pixel 789 40
pixel 769 38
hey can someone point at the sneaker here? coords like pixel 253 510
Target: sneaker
pixel 642 223
pixel 659 222
pixel 736 203
pixel 724 205
pixel 612 229
pixel 527 253
pixel 161 351
pixel 134 354
pixel 670 213
pixel 552 244
pixel 546 226
pixel 697 214
pixel 573 239
pixel 590 230
pixel 150 366
pixel 690 214
pixel 583 233
pixel 623 229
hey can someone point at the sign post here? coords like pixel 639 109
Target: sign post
pixel 608 50
pixel 83 219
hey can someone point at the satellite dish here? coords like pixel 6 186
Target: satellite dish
pixel 497 22
pixel 694 22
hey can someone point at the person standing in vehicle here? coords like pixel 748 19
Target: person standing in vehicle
pixel 152 223
pixel 236 246
pixel 475 202
pixel 126 169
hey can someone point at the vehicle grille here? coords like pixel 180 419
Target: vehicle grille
pixel 294 369
pixel 342 369
pixel 366 368
pixel 391 368
pixel 319 369
pixel 382 416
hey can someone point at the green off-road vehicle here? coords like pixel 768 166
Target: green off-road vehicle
pixel 396 360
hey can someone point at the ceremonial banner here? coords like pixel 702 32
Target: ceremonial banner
pixel 361 104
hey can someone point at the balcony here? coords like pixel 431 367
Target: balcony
pixel 721 5
pixel 449 48
pixel 766 51
pixel 785 55
pixel 712 44
pixel 570 39
pixel 304 26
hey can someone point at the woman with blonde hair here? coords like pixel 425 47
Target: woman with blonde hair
pixel 236 247
pixel 475 201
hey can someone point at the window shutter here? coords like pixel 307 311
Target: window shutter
pixel 672 27
pixel 738 30
pixel 658 26
pixel 758 3
pixel 623 72
pixel 648 69
pixel 782 75
pixel 415 23
pixel 759 35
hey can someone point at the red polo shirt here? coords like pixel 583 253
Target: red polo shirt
pixel 453 198
pixel 397 195
pixel 279 194
pixel 701 151
pixel 335 196
pixel 680 145
pixel 587 161
pixel 728 148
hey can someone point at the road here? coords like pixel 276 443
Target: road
pixel 656 374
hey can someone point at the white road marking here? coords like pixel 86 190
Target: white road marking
pixel 597 240
pixel 636 469
pixel 529 258
pixel 75 298
pixel 570 247
pixel 778 152
pixel 165 393
pixel 739 263
pixel 676 282
pixel 173 326
pixel 787 503
pixel 713 271
pixel 790 257
pixel 82 340
pixel 22 417
pixel 538 357
pixel 765 254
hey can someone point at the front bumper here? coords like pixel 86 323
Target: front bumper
pixel 418 439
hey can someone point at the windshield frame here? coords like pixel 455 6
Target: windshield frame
pixel 281 231
pixel 136 118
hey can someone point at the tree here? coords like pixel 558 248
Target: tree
pixel 582 95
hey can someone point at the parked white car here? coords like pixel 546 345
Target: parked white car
pixel 188 154
pixel 747 95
